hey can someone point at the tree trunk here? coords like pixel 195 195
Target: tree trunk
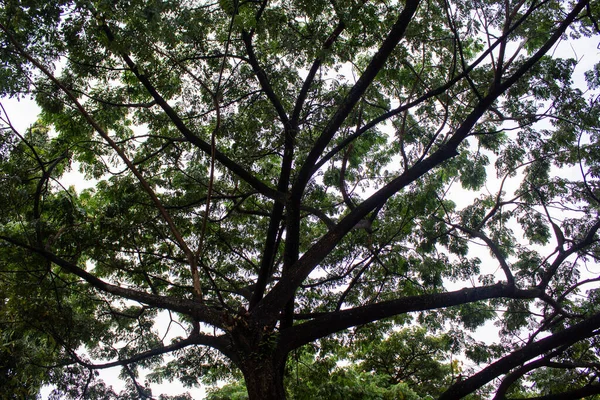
pixel 264 380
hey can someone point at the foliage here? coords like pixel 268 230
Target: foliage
pixel 266 177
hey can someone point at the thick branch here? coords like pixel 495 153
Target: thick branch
pixel 511 378
pixel 567 337
pixel 276 216
pixel 268 255
pixel 329 323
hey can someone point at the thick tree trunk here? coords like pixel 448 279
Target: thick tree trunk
pixel 264 380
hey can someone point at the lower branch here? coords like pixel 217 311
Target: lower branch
pixel 566 337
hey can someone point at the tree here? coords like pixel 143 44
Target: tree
pixel 406 364
pixel 269 174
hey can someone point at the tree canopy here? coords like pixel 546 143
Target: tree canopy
pixel 280 181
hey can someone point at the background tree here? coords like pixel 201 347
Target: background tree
pixel 268 174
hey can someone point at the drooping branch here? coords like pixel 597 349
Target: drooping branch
pixel 104 134
pixel 589 238
pixel 46 173
pixel 213 147
pixel 183 306
pixel 220 343
pixel 492 246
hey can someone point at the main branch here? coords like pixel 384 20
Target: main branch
pixel 329 323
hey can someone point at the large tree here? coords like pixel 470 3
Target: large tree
pixel 267 174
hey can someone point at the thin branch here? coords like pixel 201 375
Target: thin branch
pixel 264 80
pixel 231 165
pixel 313 71
pixel 140 390
pixel 104 134
pixel 575 394
pixel 194 339
pixel 492 246
pixel 377 62
pixel 432 93
pixel 343 189
pixel 563 255
pixel 216 93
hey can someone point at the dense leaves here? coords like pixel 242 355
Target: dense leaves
pixel 280 188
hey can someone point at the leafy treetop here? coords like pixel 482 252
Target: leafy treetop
pixel 269 175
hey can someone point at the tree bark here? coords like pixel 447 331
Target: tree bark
pixel 264 379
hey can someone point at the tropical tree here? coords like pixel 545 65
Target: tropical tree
pixel 377 364
pixel 268 174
